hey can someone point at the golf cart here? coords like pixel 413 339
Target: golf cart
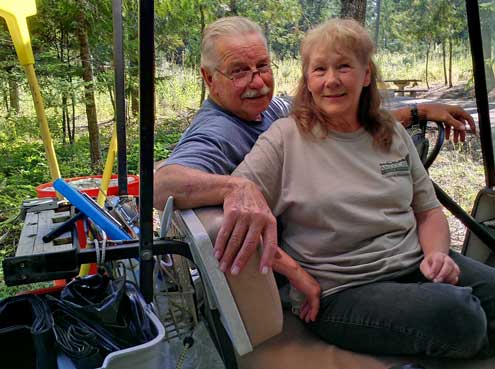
pixel 244 314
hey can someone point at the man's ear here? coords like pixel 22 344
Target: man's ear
pixel 207 77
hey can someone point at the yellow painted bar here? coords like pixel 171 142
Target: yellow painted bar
pixel 107 172
pixel 45 131
pixel 15 13
pixel 105 181
pixel 84 269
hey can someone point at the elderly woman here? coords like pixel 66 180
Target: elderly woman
pixel 364 235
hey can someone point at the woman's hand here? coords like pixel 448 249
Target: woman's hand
pixel 301 281
pixel 440 268
pixel 307 285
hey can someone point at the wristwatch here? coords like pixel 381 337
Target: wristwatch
pixel 414 116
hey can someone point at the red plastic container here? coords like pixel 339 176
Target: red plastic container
pixel 91 184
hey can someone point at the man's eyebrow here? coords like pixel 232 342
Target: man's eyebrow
pixel 240 63
pixel 237 64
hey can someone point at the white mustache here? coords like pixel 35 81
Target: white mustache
pixel 249 93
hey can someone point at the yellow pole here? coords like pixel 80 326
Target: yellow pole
pixel 107 172
pixel 40 113
pixel 105 181
pixel 15 14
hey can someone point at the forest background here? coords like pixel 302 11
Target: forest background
pixel 72 43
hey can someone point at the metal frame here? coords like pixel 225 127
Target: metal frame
pixel 474 27
pixel 119 87
pixel 65 264
pixel 146 140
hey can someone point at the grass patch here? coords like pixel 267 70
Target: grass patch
pixel 459 171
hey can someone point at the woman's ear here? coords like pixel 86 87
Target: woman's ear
pixel 367 77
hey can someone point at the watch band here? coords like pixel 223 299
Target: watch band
pixel 414 115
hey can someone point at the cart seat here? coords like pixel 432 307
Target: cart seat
pixel 249 306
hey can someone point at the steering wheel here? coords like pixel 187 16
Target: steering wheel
pixel 422 143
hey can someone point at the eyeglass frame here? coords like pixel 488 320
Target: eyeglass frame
pixel 270 66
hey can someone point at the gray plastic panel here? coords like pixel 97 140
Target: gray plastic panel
pixel 217 288
pixel 149 355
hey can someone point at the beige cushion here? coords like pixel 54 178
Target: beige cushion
pixel 297 348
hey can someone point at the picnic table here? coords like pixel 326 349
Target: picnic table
pixel 402 84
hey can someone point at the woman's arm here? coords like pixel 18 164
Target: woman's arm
pixel 434 238
pixel 300 280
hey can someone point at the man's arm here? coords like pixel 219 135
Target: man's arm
pixel 434 238
pixel 191 188
pixel 453 116
pixel 247 216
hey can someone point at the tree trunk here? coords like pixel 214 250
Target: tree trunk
pixel 65 119
pixel 112 100
pixel 134 99
pixel 13 95
pixel 311 13
pixel 353 9
pixel 233 7
pixel 73 104
pixel 65 112
pixel 444 63
pixel 450 62
pixel 5 99
pixel 426 68
pixel 486 29
pixel 377 21
pixel 266 30
pixel 71 129
pixel 203 25
pixel 89 96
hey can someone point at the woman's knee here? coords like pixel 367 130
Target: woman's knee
pixel 461 323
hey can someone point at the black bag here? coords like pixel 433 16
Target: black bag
pixel 27 339
pixel 96 315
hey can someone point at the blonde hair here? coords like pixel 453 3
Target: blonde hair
pixel 224 27
pixel 349 36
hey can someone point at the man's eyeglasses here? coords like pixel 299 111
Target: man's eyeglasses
pixel 244 77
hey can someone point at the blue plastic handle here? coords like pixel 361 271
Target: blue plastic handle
pixel 91 210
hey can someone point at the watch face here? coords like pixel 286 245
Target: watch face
pixel 414 115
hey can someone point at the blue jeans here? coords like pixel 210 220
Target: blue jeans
pixel 410 315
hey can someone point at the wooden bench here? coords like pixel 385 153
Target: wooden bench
pixel 36 225
pixel 36 260
pixel 412 93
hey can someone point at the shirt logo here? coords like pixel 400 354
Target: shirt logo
pixel 395 168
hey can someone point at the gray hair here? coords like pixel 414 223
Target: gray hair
pixel 224 27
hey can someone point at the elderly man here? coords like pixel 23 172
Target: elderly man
pixel 236 66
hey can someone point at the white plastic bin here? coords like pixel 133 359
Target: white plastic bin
pixel 149 355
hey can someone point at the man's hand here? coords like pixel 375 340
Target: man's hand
pixel 453 116
pixel 246 218
pixel 440 268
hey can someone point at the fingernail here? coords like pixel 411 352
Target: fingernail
pixel 264 270
pixel 223 267
pixel 235 270
pixel 217 254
